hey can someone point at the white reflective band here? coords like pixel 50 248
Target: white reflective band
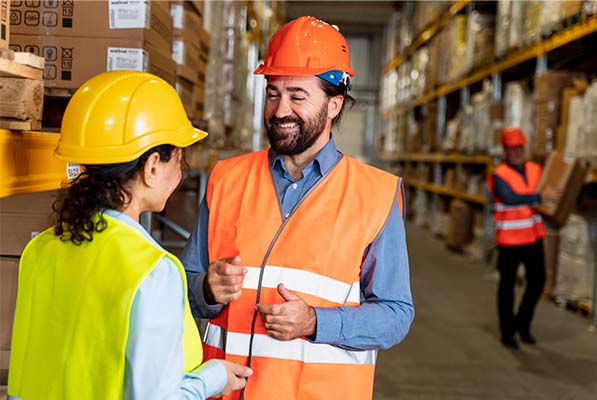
pixel 505 207
pixel 295 349
pixel 306 282
pixel 519 223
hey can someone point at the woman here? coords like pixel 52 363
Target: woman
pixel 102 309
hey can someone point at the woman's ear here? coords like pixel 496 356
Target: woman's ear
pixel 151 169
pixel 335 106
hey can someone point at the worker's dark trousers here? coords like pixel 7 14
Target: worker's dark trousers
pixel 509 258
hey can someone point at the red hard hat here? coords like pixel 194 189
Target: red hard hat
pixel 306 46
pixel 513 137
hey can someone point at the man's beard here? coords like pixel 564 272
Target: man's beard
pixel 296 143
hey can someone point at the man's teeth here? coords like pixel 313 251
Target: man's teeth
pixel 287 125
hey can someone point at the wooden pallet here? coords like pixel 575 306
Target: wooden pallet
pixel 21 90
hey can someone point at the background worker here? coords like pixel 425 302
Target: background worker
pixel 102 311
pixel 519 235
pixel 299 254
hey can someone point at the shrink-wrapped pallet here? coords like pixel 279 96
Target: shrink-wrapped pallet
pixel 479 40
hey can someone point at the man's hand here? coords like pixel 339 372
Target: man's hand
pixel 237 377
pixel 551 194
pixel 224 280
pixel 289 320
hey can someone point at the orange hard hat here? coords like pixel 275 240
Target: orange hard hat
pixel 306 46
pixel 513 137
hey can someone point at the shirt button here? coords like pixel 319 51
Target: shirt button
pixel 286 215
pixel 294 185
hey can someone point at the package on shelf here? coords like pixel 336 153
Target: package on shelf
pixel 406 33
pixel 186 56
pixel 570 7
pixel 550 17
pixel 425 13
pixel 479 40
pixel 457 48
pixel 547 115
pixel 573 125
pixel 9 274
pixel 482 122
pixel 466 139
pixel 22 217
pixel 532 21
pixel 503 25
pixel 589 127
pixel 130 19
pixel 389 84
pixel 517 24
pixel 185 17
pixel 185 90
pixel 496 115
pixel 418 73
pixel 403 93
pixel 460 227
pixel 4 23
pixel 74 60
pixel 567 174
pixel 575 267
pixel 461 178
pixel 590 7
pixel 414 136
pixel 433 66
pixel 550 84
pixel 519 110
pixel 391 37
pixel 429 128
pixel 452 131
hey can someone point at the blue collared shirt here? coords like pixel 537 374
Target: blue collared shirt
pixel 386 313
pixel 154 354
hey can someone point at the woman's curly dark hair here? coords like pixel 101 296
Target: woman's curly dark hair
pixel 100 187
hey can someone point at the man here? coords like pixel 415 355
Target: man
pixel 519 234
pixel 299 255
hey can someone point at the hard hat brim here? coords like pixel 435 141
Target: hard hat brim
pixel 132 150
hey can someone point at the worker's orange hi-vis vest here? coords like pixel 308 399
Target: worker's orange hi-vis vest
pixel 517 225
pixel 316 252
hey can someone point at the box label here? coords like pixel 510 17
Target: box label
pixel 72 170
pixel 130 59
pixel 177 12
pixel 127 14
pixel 178 51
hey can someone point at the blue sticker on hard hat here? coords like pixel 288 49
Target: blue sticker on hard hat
pixel 336 77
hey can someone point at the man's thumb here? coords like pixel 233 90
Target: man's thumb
pixel 286 294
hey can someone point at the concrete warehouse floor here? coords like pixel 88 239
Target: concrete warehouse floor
pixel 453 350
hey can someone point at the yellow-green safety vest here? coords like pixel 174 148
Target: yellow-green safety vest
pixel 73 310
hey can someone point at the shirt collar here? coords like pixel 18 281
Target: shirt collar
pixel 122 217
pixel 323 161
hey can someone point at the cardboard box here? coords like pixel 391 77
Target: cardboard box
pixel 70 61
pixel 149 21
pixel 184 16
pixel 21 218
pixel 184 88
pixel 4 23
pixel 550 84
pixel 9 273
pixel 564 173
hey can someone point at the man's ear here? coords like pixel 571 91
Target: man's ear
pixel 151 169
pixel 335 106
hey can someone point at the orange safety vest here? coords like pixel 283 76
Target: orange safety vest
pixel 517 225
pixel 316 252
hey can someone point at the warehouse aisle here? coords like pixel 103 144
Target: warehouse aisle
pixel 453 350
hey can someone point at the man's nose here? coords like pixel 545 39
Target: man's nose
pixel 283 108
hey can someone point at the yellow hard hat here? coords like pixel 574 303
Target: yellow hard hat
pixel 117 116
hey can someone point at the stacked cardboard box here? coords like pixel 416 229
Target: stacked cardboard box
pixel 21 218
pixel 547 95
pixel 4 23
pixel 80 39
pixel 187 24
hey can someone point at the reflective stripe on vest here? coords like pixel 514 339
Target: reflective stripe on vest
pixel 517 225
pixel 73 312
pixel 305 282
pixel 316 252
pixel 295 349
